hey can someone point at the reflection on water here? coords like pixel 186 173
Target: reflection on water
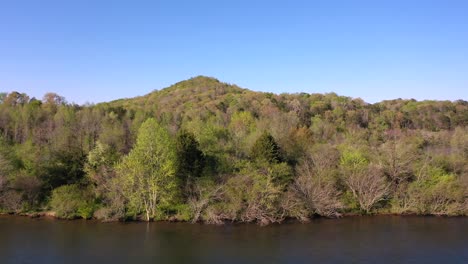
pixel 383 239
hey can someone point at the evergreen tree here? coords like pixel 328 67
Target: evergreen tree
pixel 266 149
pixel 190 159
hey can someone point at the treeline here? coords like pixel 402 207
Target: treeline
pixel 203 150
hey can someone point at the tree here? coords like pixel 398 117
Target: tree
pixel 100 171
pixel 206 192
pixel 315 184
pixel 266 149
pixel 2 97
pixel 397 158
pixel 241 127
pixel 365 181
pixel 53 99
pixel 15 98
pixel 250 196
pixel 148 171
pixel 434 192
pixel 99 168
pixel 190 159
pixel 5 169
pixel 29 186
pixel 62 168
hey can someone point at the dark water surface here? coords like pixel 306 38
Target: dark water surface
pixel 383 239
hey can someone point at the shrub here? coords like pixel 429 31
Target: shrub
pixel 253 195
pixel 10 201
pixel 437 193
pixel 69 202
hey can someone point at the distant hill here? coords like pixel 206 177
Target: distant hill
pixel 206 94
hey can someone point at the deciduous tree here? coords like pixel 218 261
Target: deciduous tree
pixel 148 171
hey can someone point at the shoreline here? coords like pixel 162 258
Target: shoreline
pixel 52 215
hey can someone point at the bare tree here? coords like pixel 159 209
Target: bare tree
pixel 29 186
pixel 263 205
pixel 367 184
pixel 397 158
pixel 249 197
pixel 315 188
pixel 10 200
pixel 204 195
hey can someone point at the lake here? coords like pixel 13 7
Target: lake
pixel 379 239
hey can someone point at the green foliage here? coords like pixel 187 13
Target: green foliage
pixel 99 169
pixel 353 159
pixel 147 173
pixel 62 168
pixel 364 180
pixel 280 173
pixel 351 202
pixel 242 123
pixel 101 155
pixel 71 201
pixel 266 149
pixel 222 157
pixel 181 212
pixel 190 159
pixel 250 198
pixel 437 192
pixel 6 165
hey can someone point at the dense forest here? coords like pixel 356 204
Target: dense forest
pixel 206 151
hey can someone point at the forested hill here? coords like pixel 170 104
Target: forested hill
pixel 203 150
pixel 202 96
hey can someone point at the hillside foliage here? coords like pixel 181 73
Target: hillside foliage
pixel 204 150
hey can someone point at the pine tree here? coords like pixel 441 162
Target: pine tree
pixel 190 159
pixel 266 149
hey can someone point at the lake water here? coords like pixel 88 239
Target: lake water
pixel 382 239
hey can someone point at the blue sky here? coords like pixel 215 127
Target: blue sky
pixel 94 51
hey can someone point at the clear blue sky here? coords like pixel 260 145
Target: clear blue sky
pixel 102 50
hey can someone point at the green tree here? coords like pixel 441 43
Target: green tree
pixel 266 149
pixel 241 127
pixel 99 168
pixel 190 159
pixel 433 192
pixel 6 166
pixel 148 172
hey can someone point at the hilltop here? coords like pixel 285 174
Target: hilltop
pixel 195 89
pixel 207 94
